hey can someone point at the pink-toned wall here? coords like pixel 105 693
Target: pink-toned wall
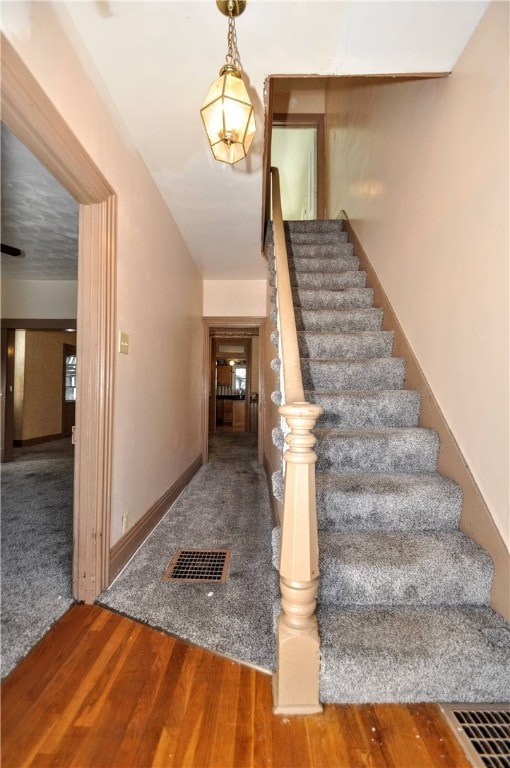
pixel 235 298
pixel 159 298
pixel 422 170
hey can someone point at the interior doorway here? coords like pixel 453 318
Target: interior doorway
pixel 31 116
pixel 231 395
pixel 233 386
pixel 297 150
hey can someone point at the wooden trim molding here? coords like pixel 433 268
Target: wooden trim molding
pixel 94 407
pixel 31 116
pixel 29 113
pixel 124 549
pixel 476 520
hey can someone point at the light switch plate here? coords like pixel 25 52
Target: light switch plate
pixel 123 343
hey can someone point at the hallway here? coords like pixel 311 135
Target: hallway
pixel 226 505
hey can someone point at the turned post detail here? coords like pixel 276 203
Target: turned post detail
pixel 296 682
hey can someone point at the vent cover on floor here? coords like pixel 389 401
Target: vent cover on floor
pixel 483 731
pixel 198 565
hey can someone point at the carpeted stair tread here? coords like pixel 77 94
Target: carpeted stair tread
pixel 318 250
pixel 313 225
pixel 344 298
pixel 413 654
pixel 370 373
pixel 387 502
pixel 338 319
pixel 338 263
pixel 367 408
pixel 346 345
pixel 311 237
pixel 417 568
pixel 377 450
pixel 331 281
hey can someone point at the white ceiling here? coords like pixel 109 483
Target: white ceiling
pixel 156 60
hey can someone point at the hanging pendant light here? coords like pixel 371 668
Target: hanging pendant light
pixel 227 111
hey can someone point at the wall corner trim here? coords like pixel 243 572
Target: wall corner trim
pixel 476 520
pixel 125 548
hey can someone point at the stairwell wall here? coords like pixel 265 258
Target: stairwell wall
pixel 421 168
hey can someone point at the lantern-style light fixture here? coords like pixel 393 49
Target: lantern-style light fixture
pixel 227 111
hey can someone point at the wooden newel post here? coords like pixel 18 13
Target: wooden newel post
pixel 296 682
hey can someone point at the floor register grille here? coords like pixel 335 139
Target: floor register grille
pixel 483 731
pixel 198 565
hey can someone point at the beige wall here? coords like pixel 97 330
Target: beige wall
pixel 234 298
pixel 38 384
pixel 298 96
pixel 159 299
pixel 39 299
pixel 421 168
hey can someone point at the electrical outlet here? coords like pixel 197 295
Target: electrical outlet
pixel 125 522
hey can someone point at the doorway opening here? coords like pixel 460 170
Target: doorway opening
pixel 232 379
pixel 231 385
pixel 297 150
pixel 30 115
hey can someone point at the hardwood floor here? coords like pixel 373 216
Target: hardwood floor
pixel 103 691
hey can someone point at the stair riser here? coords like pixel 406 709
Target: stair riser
pixel 394 408
pixel 402 569
pixel 338 320
pixel 383 373
pixel 361 508
pixel 395 452
pixel 348 345
pixel 349 298
pixel 324 264
pixel 344 585
pixel 412 655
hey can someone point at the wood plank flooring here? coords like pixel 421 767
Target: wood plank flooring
pixel 102 691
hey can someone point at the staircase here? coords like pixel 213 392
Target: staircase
pixel 403 603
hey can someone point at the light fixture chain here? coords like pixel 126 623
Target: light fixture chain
pixel 232 52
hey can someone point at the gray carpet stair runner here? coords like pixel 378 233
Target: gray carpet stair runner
pixel 403 602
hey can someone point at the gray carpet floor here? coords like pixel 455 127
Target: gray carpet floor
pixel 226 505
pixel 36 568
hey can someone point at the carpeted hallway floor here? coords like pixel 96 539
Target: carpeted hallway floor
pixel 226 505
pixel 37 534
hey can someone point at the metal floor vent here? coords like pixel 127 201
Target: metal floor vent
pixel 198 565
pixel 483 731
